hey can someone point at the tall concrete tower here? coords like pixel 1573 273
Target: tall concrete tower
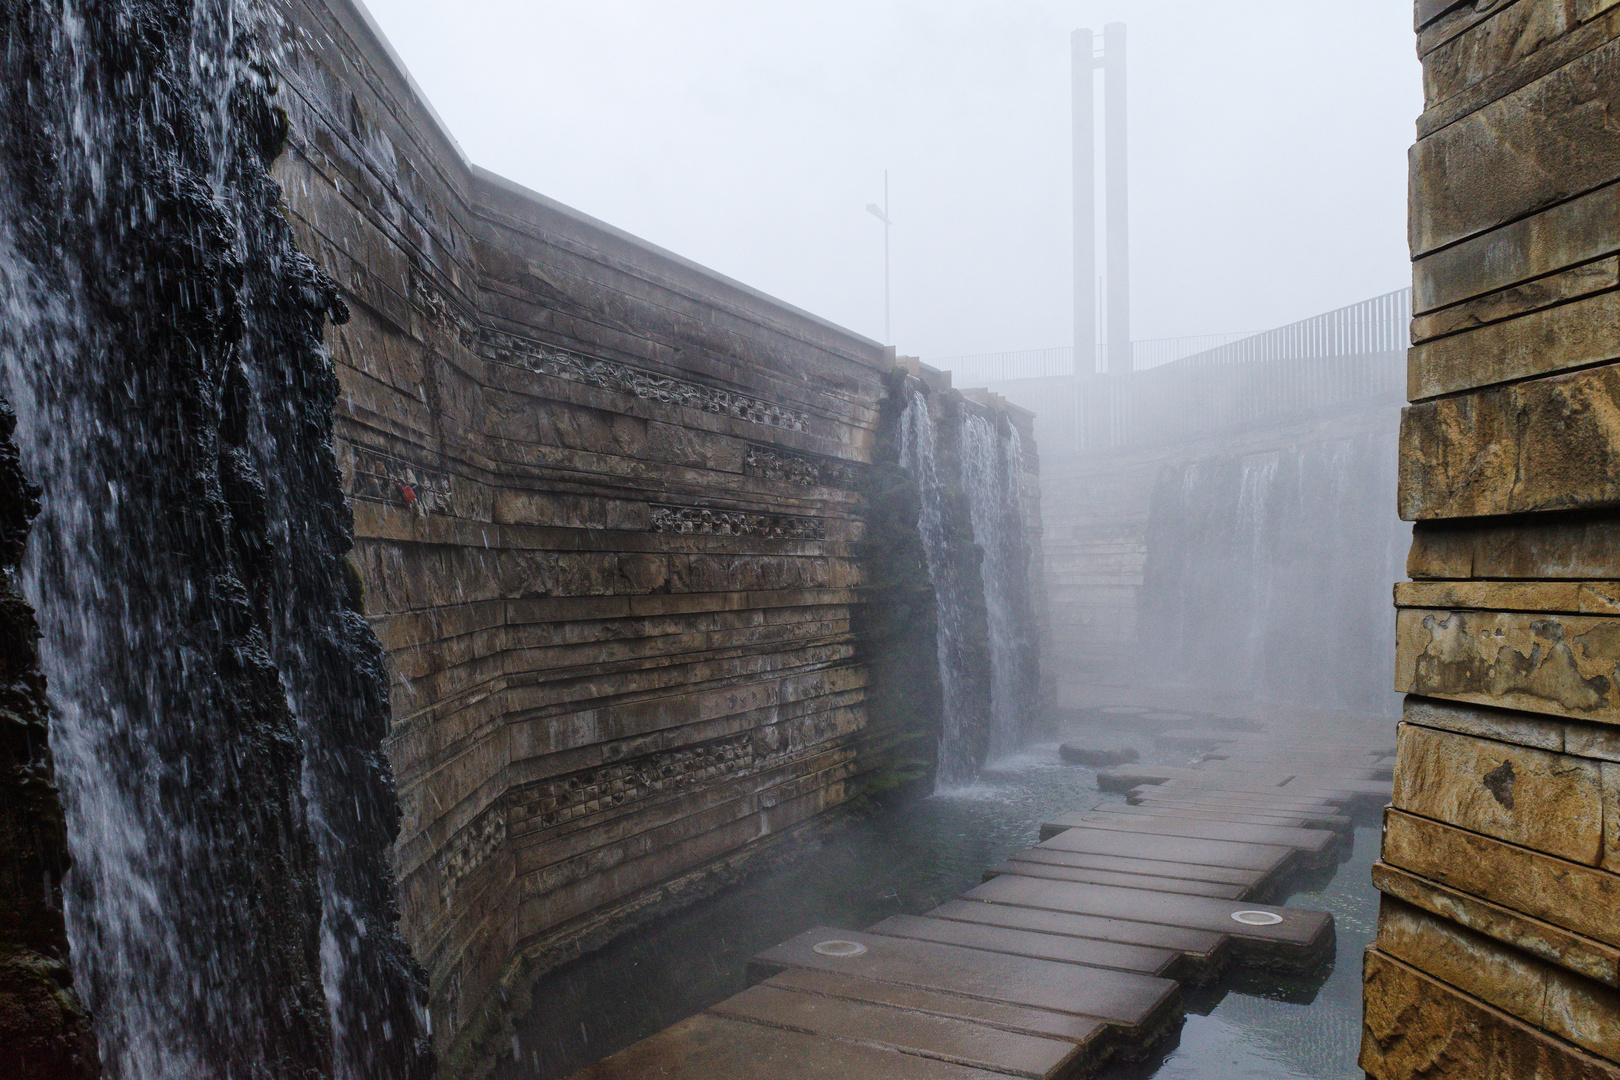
pixel 1086 62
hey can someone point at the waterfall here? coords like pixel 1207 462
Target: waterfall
pixel 971 523
pixel 1261 564
pixel 992 480
pixel 917 447
pixel 218 702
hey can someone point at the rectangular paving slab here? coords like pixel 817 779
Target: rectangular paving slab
pixel 940 1037
pixel 1123 998
pixel 1080 1030
pixel 1334 822
pixel 1069 950
pixel 1265 858
pixel 1313 842
pixel 1123 881
pixel 1224 875
pixel 1202 945
pixel 707 1047
pixel 1215 799
pixel 1297 931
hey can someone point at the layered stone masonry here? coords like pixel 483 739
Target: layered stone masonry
pixel 646 385
pixel 613 524
pixel 1498 951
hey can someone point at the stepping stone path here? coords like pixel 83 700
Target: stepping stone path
pixel 1070 953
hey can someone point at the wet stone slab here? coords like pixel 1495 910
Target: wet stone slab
pixel 942 1038
pixel 1123 881
pixel 1313 842
pixel 1122 998
pixel 708 1047
pixel 1031 943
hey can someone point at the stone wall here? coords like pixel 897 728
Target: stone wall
pixel 1498 951
pixel 627 529
pixel 1199 565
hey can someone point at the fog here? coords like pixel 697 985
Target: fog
pixel 1268 137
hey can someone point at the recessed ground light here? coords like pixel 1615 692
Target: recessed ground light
pixel 844 948
pixel 1247 918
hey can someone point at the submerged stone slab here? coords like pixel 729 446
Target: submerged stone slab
pixel 925 1035
pixel 1098 754
pixel 710 1047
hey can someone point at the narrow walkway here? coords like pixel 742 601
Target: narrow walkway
pixel 1070 953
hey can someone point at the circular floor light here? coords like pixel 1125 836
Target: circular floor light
pixel 839 948
pixel 1256 918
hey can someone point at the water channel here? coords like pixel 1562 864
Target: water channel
pixel 908 860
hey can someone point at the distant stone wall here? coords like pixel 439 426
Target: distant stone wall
pixel 1231 563
pixel 1498 950
pixel 649 585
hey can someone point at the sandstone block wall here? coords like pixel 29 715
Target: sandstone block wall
pixel 624 528
pixel 1498 951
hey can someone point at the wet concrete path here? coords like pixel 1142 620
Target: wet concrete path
pixel 1080 950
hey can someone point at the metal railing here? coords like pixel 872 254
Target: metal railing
pixel 981 368
pixel 1339 359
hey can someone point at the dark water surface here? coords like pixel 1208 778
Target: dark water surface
pixel 907 861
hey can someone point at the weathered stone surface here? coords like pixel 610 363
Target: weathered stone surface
pixel 1572 597
pixel 1565 665
pixel 1558 547
pixel 1553 339
pixel 1582 955
pixel 1511 303
pixel 1566 894
pixel 1549 802
pixel 1563 236
pixel 1418 1028
pixel 1544 143
pixel 1570 1007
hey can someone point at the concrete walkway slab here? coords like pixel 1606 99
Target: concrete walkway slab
pixel 1032 943
pixel 1222 875
pixel 1312 842
pixel 1066 1027
pixel 939 1037
pixel 1122 998
pixel 1123 881
pixel 1200 944
pixel 707 1047
pixel 1265 858
pixel 1295 929
pixel 1338 823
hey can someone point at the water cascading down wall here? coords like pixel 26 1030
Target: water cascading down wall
pixel 216 700
pixel 639 590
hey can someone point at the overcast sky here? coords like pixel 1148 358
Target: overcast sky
pixel 1268 147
